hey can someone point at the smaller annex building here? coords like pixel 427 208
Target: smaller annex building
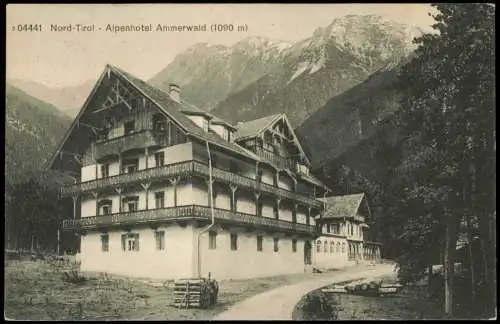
pixel 343 228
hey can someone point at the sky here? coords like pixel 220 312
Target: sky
pixel 69 58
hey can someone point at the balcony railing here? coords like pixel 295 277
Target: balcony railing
pixel 184 169
pixel 191 212
pixel 136 140
pixel 280 161
pixel 166 171
pixel 232 178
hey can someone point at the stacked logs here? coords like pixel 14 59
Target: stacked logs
pixel 365 288
pixel 195 292
pixel 373 288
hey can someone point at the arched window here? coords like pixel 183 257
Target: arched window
pixel 338 247
pixel 325 247
pixel 318 246
pixel 332 247
pixel 343 247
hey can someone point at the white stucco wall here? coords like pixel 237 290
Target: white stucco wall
pixel 87 206
pixel 329 260
pixel 185 194
pixel 114 169
pixel 141 203
pixel 174 262
pixel 178 258
pixel 173 154
pixel 168 191
pixel 268 207
pixel 245 203
pixel 246 262
pixel 285 213
pixel 88 173
pixel 222 198
pixel 200 192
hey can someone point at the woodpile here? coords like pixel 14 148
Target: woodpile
pixel 195 292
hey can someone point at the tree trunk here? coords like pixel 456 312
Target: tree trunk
pixel 429 279
pixel 449 262
pixel 485 250
pixel 471 258
pixel 484 254
pixel 58 241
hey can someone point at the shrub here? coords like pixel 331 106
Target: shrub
pixel 73 277
pixel 317 306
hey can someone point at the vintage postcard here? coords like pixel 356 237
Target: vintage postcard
pixel 250 162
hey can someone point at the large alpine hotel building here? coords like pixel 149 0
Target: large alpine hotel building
pixel 164 189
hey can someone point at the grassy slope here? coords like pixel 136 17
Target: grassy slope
pixel 36 291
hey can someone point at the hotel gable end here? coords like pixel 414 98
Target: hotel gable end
pixel 151 170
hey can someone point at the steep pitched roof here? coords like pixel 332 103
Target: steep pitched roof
pixel 252 128
pixel 168 106
pixel 189 108
pixel 342 206
pixel 173 109
pixel 51 161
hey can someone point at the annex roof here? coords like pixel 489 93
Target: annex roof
pixel 342 206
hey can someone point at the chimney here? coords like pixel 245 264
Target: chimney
pixel 175 92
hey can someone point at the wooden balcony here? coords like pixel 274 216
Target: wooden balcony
pixel 248 183
pixel 277 160
pixel 186 169
pixel 191 212
pixel 136 140
pixel 163 172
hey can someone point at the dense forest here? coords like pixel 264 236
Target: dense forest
pixel 33 130
pixel 439 160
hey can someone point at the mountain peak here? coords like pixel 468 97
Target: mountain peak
pixel 203 47
pixel 261 43
pixel 367 34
